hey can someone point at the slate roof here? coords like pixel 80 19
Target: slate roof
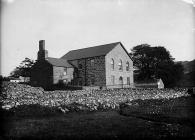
pixel 58 62
pixel 90 52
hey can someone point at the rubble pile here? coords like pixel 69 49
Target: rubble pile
pixel 20 94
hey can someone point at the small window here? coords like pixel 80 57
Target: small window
pixel 120 65
pixel 112 79
pixel 65 71
pixel 92 62
pixel 112 64
pixel 128 80
pixel 127 66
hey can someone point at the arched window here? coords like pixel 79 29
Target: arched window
pixel 112 63
pixel 127 66
pixel 120 65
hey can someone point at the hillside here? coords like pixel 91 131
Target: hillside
pixel 188 79
pixel 189 66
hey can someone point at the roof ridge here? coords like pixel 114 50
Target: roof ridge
pixel 98 50
pixel 96 46
pixel 56 58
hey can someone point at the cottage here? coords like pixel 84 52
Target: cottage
pixel 108 66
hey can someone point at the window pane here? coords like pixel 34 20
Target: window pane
pixel 127 66
pixel 112 63
pixel 65 71
pixel 128 80
pixel 120 65
pixel 92 62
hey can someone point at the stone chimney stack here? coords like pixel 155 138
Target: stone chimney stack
pixel 42 53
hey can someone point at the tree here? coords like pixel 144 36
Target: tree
pixel 23 69
pixel 156 62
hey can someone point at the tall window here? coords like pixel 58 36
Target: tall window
pixel 112 63
pixel 112 79
pixel 127 66
pixel 92 62
pixel 120 65
pixel 128 80
pixel 65 71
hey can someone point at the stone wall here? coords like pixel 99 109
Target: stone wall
pixel 58 74
pixel 117 54
pixel 91 74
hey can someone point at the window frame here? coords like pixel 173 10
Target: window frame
pixel 112 64
pixel 128 80
pixel 92 62
pixel 65 72
pixel 127 66
pixel 120 65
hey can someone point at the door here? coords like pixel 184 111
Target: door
pixel 121 82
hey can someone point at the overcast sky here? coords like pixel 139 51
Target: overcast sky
pixel 74 24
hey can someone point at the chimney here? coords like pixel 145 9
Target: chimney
pixel 41 44
pixel 42 53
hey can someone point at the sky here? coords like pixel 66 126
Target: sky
pixel 73 24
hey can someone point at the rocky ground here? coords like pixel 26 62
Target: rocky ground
pixel 14 95
pixel 32 113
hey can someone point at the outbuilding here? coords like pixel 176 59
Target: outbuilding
pixel 154 83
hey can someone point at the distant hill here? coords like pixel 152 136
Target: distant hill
pixel 188 79
pixel 189 66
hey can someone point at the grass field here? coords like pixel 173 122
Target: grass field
pixel 154 119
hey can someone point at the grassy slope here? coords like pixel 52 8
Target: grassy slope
pixel 109 124
pixel 180 110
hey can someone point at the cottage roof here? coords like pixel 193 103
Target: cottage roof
pixel 58 62
pixel 90 52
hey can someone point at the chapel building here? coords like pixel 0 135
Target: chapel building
pixel 103 66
